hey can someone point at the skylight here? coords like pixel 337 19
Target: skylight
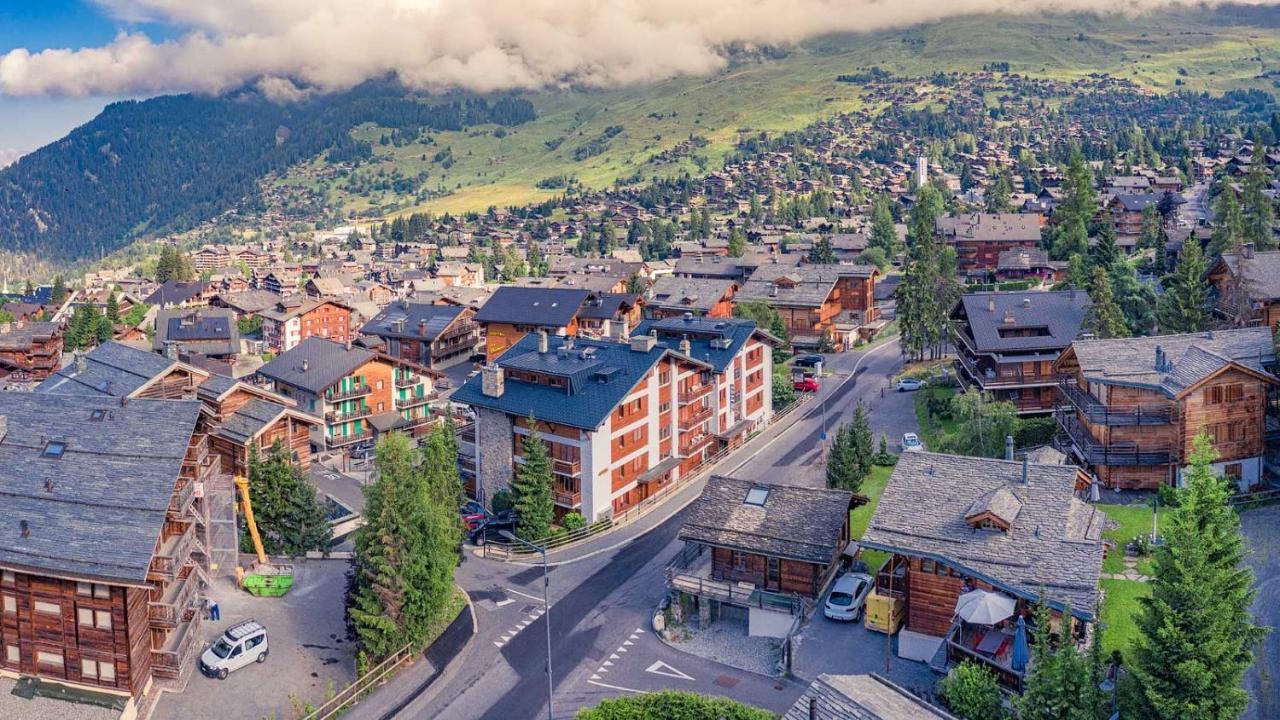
pixel 756 496
pixel 54 449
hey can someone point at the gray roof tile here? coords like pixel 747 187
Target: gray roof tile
pixel 315 364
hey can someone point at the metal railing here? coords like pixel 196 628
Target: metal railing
pixel 741 594
pixel 695 418
pixel 996 380
pixel 340 440
pixel 343 416
pixel 407 379
pixel 1099 414
pixel 413 401
pixel 352 392
pixel 364 684
pixel 1108 454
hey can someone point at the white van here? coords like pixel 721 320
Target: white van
pixel 240 645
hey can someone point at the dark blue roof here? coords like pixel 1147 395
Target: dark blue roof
pixel 599 379
pixel 546 307
pixel 714 341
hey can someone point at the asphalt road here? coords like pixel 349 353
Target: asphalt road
pixel 602 644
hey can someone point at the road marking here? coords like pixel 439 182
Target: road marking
pixel 524 595
pixel 661 668
pixel 618 687
pixel 627 644
pixel 614 657
pixel 495 642
pixel 503 603
pixel 595 677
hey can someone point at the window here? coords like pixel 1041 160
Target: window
pixel 928 567
pixel 1219 394
pixel 89 668
pixel 52 659
pixel 664 432
pixel 84 589
pixel 102 592
pixel 6 577
pixel 47 608
pixel 664 377
pixel 12 654
pixel 739 560
pixel 379 384
pixel 100 619
pixel 10 604
pixel 54 449
pixel 107 671
pixel 756 496
pixel 664 407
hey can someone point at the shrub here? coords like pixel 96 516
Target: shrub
pixel 971 691
pixel 1169 496
pixel 573 521
pixel 502 501
pixel 673 704
pixel 1033 432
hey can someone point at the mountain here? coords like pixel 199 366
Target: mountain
pixel 171 163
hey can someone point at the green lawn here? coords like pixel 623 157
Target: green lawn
pixel 1119 613
pixel 1133 520
pixel 933 431
pixel 859 518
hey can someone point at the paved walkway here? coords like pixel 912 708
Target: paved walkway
pixel 1130 571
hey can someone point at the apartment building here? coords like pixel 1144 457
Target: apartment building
pixel 437 336
pixel 621 419
pixel 294 319
pixel 513 312
pixel 819 304
pixel 1246 287
pixel 356 392
pixel 979 238
pixel 1134 405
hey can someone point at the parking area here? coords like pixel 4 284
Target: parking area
pixel 848 648
pixel 310 656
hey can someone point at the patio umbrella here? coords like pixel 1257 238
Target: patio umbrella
pixel 1021 653
pixel 984 608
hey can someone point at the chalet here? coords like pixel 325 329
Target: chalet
pixel 1134 405
pixel 358 393
pixel 460 274
pixel 117 370
pixel 1006 343
pixel 610 315
pixel 30 350
pixel 101 578
pixel 323 287
pixel 1126 216
pixel 956 524
pixel 244 304
pixel 673 296
pixel 513 312
pixel 1030 264
pixel 819 304
pixel 177 293
pixel 211 332
pixel 435 336
pixel 979 238
pixel 765 548
pixel 1246 287
pixel 294 319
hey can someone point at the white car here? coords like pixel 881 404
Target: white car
pixel 848 596
pixel 911 442
pixel 240 645
pixel 910 384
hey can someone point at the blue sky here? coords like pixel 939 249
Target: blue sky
pixel 28 123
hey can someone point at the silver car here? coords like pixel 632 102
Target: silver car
pixel 848 596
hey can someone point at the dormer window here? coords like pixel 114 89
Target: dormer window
pixel 995 510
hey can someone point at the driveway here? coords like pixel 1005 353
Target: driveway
pixel 1262 530
pixel 310 655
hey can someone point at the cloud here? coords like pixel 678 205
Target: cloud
pixel 8 156
pixel 288 47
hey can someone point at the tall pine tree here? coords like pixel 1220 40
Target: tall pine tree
pixel 1196 634
pixel 1184 306
pixel 531 488
pixel 1228 224
pixel 289 517
pixel 1259 212
pixel 1105 318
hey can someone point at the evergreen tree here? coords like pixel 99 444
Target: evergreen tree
pixel 997 199
pixel 920 309
pixel 1137 300
pixel 1196 635
pixel 289 517
pixel 1184 306
pixel 822 253
pixel 1061 685
pixel 113 309
pixel 531 488
pixel 1259 215
pixel 841 464
pixel 59 293
pixel 883 233
pixel 1070 239
pixel 782 393
pixel 1228 224
pixel 28 290
pixel 1078 275
pixel 737 243
pixel 1152 237
pixel 1104 251
pixel 861 443
pixel 971 691
pixel 1105 318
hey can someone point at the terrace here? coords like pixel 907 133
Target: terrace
pixel 168 660
pixel 1097 413
pixel 173 554
pixel 1095 452
pixel 691 572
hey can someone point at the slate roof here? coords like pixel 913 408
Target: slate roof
pixel 990 227
pixel 714 341
pixel 1022 259
pixel 412 314
pixel 796 523
pixel 1189 358
pixel 1061 313
pixel 1261 279
pixel 216 386
pixel 21 335
pixel 249 420
pixel 249 301
pixel 111 369
pixel 1054 541
pixel 546 307
pixel 696 295
pixel 97 511
pixel 326 362
pixel 861 697
pixel 211 331
pixel 1135 202
pixel 588 398
pixel 802 285
pixel 176 292
pixel 607 306
pixel 292 307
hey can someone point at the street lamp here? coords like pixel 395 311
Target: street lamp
pixel 546 605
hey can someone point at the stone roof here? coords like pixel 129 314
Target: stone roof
pixel 1022 259
pixel 696 295
pixel 1188 358
pixel 546 307
pixel 797 523
pixel 990 316
pixel 210 331
pixel 98 509
pixel 802 285
pixel 860 697
pixel 421 321
pixel 990 227
pixel 315 364
pixel 22 334
pixel 249 420
pixel 111 369
pixel 1261 276
pixel 1054 541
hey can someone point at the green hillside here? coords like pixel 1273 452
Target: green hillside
pixel 1204 51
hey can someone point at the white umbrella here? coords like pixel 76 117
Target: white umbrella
pixel 984 608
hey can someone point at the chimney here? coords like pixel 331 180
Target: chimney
pixel 24 528
pixel 1026 302
pixel 305 365
pixel 643 343
pixel 685 347
pixel 1009 319
pixel 82 364
pixel 991 303
pixel 1159 358
pixel 773 290
pixel 422 327
pixel 1026 468
pixel 1008 447
pixel 542 342
pixel 171 350
pixel 492 381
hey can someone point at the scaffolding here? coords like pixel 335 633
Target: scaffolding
pixel 222 533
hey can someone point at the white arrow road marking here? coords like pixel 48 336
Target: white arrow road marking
pixel 503 603
pixel 661 668
pixel 614 656
pixel 607 663
pixel 525 595
pixel 595 677
pixel 627 644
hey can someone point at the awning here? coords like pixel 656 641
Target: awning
pixel 984 608
pixel 659 470
pixel 735 429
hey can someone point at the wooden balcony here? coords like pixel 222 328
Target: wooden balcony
pixel 338 416
pixel 695 393
pixel 695 417
pixel 173 554
pixel 351 393
pixel 179 596
pixel 180 501
pixel 406 379
pixel 991 379
pixel 168 660
pixel 690 573
pixel 571 466
pixel 566 498
pixel 1111 454
pixel 692 445
pixel 1098 414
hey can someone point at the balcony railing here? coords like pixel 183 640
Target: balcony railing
pixel 1095 452
pixel 566 498
pixel 695 418
pixel 695 443
pixel 568 467
pixel 178 597
pixel 407 379
pixel 173 554
pixel 694 394
pixel 353 392
pixel 963 646
pixel 690 573
pixel 992 379
pixel 355 437
pixel 337 416
pixel 405 403
pixel 181 499
pixel 1098 414
pixel 168 661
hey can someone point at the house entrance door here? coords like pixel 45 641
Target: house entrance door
pixel 772 581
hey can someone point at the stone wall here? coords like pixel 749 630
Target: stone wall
pixel 493 452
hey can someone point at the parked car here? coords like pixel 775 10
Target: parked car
pixel 848 596
pixel 492 528
pixel 808 361
pixel 808 383
pixel 362 450
pixel 473 513
pixel 910 384
pixel 911 442
pixel 241 644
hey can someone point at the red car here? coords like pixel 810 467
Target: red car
pixel 808 383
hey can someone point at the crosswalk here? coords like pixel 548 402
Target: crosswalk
pixel 529 618
pixel 597 677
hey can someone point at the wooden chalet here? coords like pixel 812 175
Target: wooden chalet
pixel 1246 287
pixel 819 303
pixel 30 350
pixel 953 524
pixel 513 312
pixel 673 296
pixel 1134 405
pixel 979 238
pixel 435 336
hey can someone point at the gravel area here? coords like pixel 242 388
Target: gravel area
pixel 726 641
pixel 13 707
